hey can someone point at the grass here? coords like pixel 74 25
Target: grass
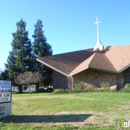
pixel 71 111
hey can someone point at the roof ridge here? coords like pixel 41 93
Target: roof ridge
pixel 110 61
pixel 74 71
pixel 101 55
pixel 72 51
pixel 92 58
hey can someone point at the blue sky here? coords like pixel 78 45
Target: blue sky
pixel 68 24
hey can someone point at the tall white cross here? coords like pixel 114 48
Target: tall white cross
pixel 99 44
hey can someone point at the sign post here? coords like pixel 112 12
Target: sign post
pixel 5 99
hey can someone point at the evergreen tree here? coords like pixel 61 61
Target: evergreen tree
pixel 1 78
pixel 41 48
pixel 20 58
pixel 40 45
pixel 4 75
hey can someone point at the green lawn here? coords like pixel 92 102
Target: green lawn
pixel 72 111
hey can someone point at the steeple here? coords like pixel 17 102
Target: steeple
pixel 99 44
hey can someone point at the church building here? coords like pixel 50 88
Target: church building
pixel 91 66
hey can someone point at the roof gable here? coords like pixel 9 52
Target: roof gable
pixel 112 58
pixel 119 56
pixel 100 61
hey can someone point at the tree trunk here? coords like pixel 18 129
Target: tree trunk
pixel 29 89
pixel 20 89
pixel 37 87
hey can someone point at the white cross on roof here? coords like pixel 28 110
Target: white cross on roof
pixel 99 44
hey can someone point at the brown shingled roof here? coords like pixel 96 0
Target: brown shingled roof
pixel 100 61
pixel 112 58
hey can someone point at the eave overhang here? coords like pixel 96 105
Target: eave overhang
pixel 87 67
pixel 52 67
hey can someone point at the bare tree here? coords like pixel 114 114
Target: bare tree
pixel 29 78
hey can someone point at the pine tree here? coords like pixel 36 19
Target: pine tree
pixel 40 45
pixel 40 48
pixel 20 59
pixel 1 77
pixel 4 75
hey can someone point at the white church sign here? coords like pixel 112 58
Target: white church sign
pixel 5 99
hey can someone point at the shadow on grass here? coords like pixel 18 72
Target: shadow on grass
pixel 45 118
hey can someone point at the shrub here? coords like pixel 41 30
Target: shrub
pixel 105 85
pixel 66 91
pixel 91 88
pixel 79 87
pixel 126 88
pixel 56 91
pixel 61 91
